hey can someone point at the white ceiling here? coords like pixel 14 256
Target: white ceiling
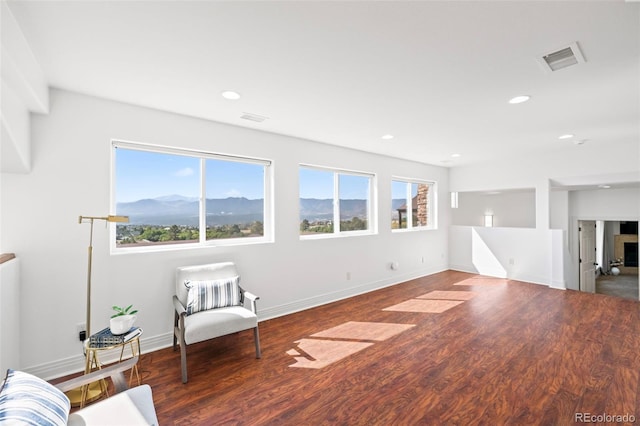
pixel 436 75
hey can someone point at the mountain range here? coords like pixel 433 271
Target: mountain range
pixel 180 210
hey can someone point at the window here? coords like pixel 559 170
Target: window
pixel 183 197
pixel 454 200
pixel 329 197
pixel 412 204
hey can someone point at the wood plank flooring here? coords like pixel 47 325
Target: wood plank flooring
pixel 511 353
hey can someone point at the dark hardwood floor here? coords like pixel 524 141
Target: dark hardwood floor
pixel 514 353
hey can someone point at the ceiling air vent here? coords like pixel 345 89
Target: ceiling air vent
pixel 253 117
pixel 562 58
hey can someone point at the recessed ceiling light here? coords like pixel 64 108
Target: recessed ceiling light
pixel 456 155
pixel 387 137
pixel 231 95
pixel 519 99
pixel 604 186
pixel 567 136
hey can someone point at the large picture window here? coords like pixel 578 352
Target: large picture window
pixel 182 197
pixel 335 202
pixel 412 204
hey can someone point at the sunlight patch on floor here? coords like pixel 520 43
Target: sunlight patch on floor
pixel 317 353
pixel 353 336
pixel 354 330
pixel 448 295
pixel 324 352
pixel 424 305
pixel 483 281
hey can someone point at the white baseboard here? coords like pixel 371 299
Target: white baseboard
pixel 323 299
pixel 58 368
pixel 76 364
pixel 464 268
pixel 533 279
pixel 558 285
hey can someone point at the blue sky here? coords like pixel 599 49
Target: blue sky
pixel 399 189
pixel 142 174
pixel 319 184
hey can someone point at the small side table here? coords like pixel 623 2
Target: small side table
pixel 93 363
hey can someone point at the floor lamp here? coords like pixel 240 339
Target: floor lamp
pixel 90 220
pixel 75 395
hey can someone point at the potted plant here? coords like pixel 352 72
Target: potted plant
pixel 123 319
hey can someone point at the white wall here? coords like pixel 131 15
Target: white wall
pixel 570 164
pixel 23 89
pixel 9 312
pixel 605 204
pixel 515 209
pixel 519 254
pixel 71 177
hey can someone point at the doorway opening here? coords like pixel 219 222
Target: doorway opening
pixel 616 270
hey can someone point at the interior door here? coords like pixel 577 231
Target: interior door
pixel 587 255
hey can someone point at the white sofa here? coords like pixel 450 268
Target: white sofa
pixel 29 400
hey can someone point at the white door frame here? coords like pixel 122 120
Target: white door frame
pixel 587 255
pixel 574 243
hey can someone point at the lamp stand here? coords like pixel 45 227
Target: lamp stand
pixel 94 390
pixel 89 263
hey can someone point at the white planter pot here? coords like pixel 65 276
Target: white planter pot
pixel 121 324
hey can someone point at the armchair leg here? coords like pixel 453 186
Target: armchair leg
pixel 175 326
pixel 178 333
pixel 183 361
pixel 256 337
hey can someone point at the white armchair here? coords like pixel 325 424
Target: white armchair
pixel 27 399
pixel 209 303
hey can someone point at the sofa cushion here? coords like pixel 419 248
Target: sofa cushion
pixel 28 400
pixel 212 294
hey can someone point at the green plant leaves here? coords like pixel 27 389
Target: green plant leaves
pixel 123 311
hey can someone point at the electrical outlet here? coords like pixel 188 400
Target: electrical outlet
pixel 81 331
pixel 348 276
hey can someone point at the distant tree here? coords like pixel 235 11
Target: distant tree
pixel 174 230
pixel 152 234
pixel 187 234
pixel 128 240
pixel 257 228
pixel 304 225
pixel 323 229
pixel 355 224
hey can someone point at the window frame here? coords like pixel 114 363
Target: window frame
pixel 372 203
pixel 202 156
pixel 432 204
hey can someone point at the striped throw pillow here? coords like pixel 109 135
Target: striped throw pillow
pixel 28 400
pixel 212 294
